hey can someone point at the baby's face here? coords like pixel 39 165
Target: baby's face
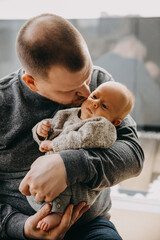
pixel 106 101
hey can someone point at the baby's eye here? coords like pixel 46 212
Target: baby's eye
pixel 94 96
pixel 104 106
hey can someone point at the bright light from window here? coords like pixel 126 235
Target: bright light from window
pixel 20 9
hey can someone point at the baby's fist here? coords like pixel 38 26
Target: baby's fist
pixel 43 128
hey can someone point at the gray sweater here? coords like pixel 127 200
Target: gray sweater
pixel 21 109
pixel 70 132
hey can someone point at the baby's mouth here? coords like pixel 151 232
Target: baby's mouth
pixel 89 110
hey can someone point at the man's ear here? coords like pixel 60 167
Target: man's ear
pixel 117 122
pixel 30 82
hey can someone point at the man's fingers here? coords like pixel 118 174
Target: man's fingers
pixel 83 210
pixel 43 212
pixel 67 216
pixel 78 211
pixel 68 219
pixel 38 197
pixel 24 188
pixel 60 231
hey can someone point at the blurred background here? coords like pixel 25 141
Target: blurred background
pixel 123 37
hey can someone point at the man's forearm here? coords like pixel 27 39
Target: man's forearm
pixel 101 168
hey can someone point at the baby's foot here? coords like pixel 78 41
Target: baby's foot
pixel 49 222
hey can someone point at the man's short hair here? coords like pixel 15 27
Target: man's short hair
pixel 47 40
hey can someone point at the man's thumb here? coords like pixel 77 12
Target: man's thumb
pixel 43 212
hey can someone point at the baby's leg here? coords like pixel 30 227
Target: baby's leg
pixel 50 221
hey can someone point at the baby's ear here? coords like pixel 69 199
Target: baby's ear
pixel 117 122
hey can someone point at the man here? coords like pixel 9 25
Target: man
pixel 57 73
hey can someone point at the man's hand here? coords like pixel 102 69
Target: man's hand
pixel 43 128
pixel 69 218
pixel 46 178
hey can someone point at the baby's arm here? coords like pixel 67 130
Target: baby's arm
pixel 40 130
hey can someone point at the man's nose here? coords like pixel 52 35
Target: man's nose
pixel 83 91
pixel 95 103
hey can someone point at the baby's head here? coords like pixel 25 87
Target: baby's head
pixel 111 100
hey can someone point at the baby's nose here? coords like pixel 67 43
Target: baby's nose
pixel 95 103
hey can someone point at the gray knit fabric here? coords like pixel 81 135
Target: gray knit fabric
pixel 70 132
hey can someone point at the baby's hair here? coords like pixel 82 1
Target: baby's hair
pixel 130 100
pixel 127 95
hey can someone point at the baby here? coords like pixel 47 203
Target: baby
pixel 91 126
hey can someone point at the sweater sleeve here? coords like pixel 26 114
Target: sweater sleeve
pixel 11 223
pixel 94 133
pixel 37 138
pixel 101 168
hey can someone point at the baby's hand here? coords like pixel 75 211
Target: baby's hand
pixel 46 146
pixel 43 128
